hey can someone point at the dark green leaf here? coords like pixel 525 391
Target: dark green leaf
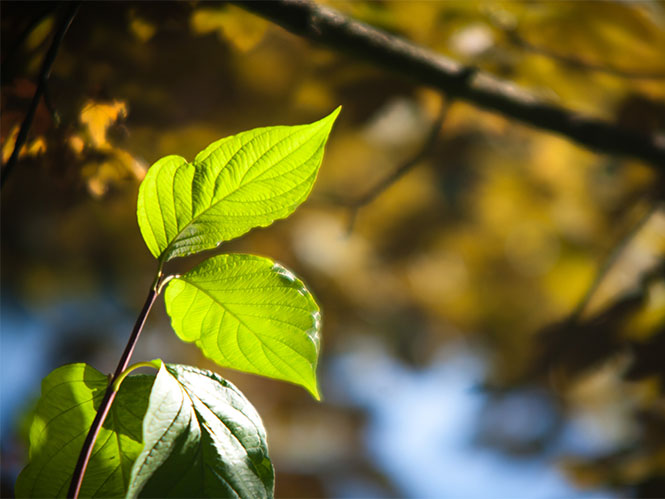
pixel 202 439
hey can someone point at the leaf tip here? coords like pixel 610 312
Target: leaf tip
pixel 328 121
pixel 314 390
pixel 333 116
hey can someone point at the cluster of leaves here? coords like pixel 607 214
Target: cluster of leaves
pixel 185 431
pixel 499 232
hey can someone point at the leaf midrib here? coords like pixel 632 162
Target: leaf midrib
pixel 168 249
pixel 256 335
pixel 202 423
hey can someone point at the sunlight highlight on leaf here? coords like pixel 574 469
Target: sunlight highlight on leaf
pixel 235 184
pixel 66 409
pixel 250 314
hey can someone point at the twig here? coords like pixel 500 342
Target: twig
pixel 8 61
pixel 399 172
pixel 333 29
pixel 109 395
pixel 354 204
pixel 43 77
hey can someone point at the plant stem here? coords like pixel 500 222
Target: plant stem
pixel 109 396
pixel 328 27
pixel 154 364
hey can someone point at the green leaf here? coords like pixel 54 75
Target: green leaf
pixel 250 314
pixel 202 439
pixel 68 404
pixel 235 184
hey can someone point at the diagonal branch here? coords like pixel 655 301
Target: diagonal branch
pixel 402 169
pixel 354 204
pixel 333 29
pixel 44 73
pixel 8 63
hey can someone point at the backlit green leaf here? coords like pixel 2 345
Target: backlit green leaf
pixel 248 313
pixel 235 184
pixel 68 404
pixel 202 439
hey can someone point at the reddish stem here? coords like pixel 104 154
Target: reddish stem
pixel 105 406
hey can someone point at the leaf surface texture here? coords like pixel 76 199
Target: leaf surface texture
pixel 250 314
pixel 202 439
pixel 235 184
pixel 65 411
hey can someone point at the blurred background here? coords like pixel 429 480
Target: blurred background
pixel 494 318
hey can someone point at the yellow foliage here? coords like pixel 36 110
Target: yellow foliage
pixel 232 25
pixel 36 147
pixel 568 280
pixel 10 141
pixel 268 70
pixel 643 252
pixel 651 318
pixel 39 34
pixel 439 280
pixel 313 95
pixel 116 164
pixel 99 116
pixel 76 143
pixel 33 148
pixel 142 29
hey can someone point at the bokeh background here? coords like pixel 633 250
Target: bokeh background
pixel 494 320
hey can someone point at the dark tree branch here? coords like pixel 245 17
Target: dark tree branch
pixel 332 29
pixel 44 73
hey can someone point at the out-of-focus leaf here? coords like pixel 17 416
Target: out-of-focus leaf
pixel 141 28
pixel 99 116
pixel 575 346
pixel 241 29
pixel 32 148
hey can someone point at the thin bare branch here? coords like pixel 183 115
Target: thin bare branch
pixel 44 73
pixel 402 169
pixel 354 204
pixel 8 63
